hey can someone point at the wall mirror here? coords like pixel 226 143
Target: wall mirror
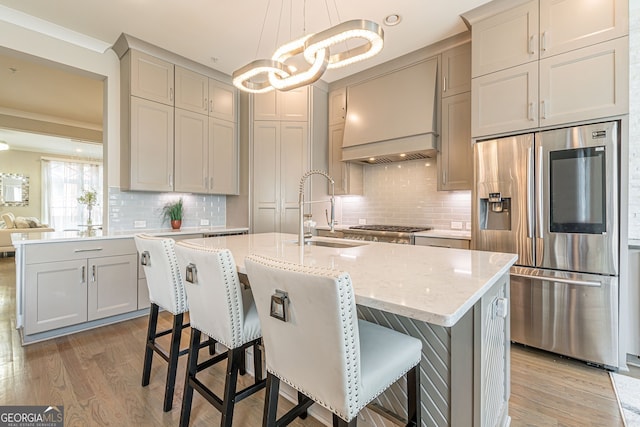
pixel 14 189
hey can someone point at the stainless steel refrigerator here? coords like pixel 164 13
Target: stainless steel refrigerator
pixel 552 197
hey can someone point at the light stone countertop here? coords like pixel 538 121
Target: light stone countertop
pixel 434 285
pixel 72 236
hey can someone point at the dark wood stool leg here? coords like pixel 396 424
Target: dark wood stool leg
pixel 173 361
pixel 257 363
pixel 302 398
pixel 192 369
pixel 242 367
pixel 339 422
pixel 413 394
pixel 271 401
pixel 236 356
pixel 212 346
pixel 151 339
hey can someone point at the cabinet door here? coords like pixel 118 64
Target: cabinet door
pixel 192 142
pixel 192 90
pixel 337 106
pixel 585 84
pixel 456 70
pixel 276 105
pixel 56 295
pixel 505 40
pixel 567 25
pixel 294 162
pixel 348 176
pixel 293 104
pixel 455 162
pixel 505 101
pixel 222 101
pixel 223 157
pixel 265 106
pixel 151 150
pixel 151 78
pixel 266 177
pixel 112 286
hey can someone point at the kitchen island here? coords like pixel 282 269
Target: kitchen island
pixel 455 301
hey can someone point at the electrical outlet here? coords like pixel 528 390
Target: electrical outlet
pixel 204 222
pixel 456 225
pixel 139 224
pixel 362 221
pixel 467 225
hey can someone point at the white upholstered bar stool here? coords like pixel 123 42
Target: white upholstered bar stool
pixel 315 343
pixel 166 291
pixel 221 308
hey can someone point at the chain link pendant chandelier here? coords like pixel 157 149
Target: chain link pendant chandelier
pixel 264 75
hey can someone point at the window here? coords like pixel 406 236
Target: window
pixel 62 183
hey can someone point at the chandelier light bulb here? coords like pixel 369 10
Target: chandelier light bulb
pixel 302 78
pixel 355 29
pixel 242 77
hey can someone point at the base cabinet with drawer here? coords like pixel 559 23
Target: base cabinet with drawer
pixel 442 242
pixel 75 282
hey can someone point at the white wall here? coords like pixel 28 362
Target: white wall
pixel 634 119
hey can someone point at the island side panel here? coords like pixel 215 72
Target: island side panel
pixel 493 356
pixel 464 371
pixel 435 368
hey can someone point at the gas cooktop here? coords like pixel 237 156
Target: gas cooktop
pixel 391 228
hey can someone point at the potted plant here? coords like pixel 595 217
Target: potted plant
pixel 90 199
pixel 172 211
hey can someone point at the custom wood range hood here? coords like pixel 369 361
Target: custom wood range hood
pixel 392 117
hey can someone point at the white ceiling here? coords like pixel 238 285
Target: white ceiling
pixel 225 35
pixel 24 141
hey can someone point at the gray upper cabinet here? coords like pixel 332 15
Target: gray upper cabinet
pixel 151 78
pixel 505 39
pixel 201 94
pixel 192 91
pixel 455 159
pixel 600 91
pixel 547 63
pixel 506 100
pixel 348 177
pixel 456 70
pixel 146 147
pixel 222 101
pixel 291 105
pixel 337 106
pixel 567 25
pixel 155 158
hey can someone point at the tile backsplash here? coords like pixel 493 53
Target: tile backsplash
pixel 126 207
pixel 405 193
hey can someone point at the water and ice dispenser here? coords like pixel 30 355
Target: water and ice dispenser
pixel 495 212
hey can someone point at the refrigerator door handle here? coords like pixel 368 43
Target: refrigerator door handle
pixel 539 206
pixel 530 194
pixel 559 280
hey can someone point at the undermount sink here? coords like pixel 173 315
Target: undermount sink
pixel 342 244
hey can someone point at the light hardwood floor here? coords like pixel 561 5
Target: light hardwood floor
pixel 96 376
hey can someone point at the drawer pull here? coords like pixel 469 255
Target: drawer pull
pixel 87 250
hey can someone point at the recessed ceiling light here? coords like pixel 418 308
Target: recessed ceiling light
pixel 393 19
pixel 3 146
